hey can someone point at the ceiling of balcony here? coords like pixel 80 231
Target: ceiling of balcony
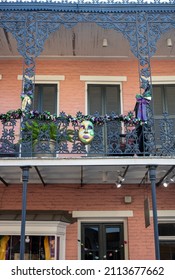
pixel 86 40
pixel 82 175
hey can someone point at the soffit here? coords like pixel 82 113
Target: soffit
pixel 80 176
pixel 85 41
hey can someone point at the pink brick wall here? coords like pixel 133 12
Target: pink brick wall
pixel 99 198
pixel 72 90
pixel 94 198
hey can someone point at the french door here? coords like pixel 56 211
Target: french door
pixel 105 99
pixel 102 241
pixel 45 98
pixel 164 102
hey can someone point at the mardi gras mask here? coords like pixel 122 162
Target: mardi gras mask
pixel 86 132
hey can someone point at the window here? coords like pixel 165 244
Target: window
pixel 104 99
pixel 44 239
pixel 164 101
pixel 36 247
pixel 167 241
pixel 45 98
pixel 102 241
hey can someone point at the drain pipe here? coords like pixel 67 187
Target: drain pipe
pixel 25 177
pixel 152 175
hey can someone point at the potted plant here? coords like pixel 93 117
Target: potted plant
pixel 45 135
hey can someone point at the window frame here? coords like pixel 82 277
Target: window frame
pixel 48 79
pixel 104 217
pixel 40 95
pixel 105 84
pixel 103 93
pixel 103 80
pixel 163 97
pixel 42 228
pixel 102 236
pixel 165 216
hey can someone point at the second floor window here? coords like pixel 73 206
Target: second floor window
pixel 163 100
pixel 104 99
pixel 45 98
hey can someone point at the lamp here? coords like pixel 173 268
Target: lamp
pixel 105 42
pixel 172 178
pixel 165 184
pixel 169 42
pixel 118 184
pixel 121 178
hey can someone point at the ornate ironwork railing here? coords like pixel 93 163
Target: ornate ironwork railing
pixel 41 138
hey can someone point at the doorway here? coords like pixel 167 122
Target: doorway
pixel 102 241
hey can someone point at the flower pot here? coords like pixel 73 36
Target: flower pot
pixel 45 149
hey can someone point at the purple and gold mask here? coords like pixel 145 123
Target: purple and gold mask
pixel 86 132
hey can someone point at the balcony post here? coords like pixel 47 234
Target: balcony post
pixel 25 177
pixel 152 175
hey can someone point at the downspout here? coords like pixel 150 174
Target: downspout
pixel 25 177
pixel 152 175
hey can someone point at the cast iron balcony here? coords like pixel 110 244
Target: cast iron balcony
pixel 112 137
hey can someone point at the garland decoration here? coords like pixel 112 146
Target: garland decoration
pixel 96 119
pixel 136 117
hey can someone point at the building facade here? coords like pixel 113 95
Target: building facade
pixel 99 81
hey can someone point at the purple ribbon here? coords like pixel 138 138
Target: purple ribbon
pixel 141 113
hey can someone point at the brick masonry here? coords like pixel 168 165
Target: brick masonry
pixel 92 197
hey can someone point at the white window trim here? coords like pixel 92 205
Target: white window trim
pixel 164 214
pixel 102 214
pixel 45 78
pixel 48 79
pixel 163 80
pixel 42 228
pixel 103 80
pixel 0 77
pixel 100 217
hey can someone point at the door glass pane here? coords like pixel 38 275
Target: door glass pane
pixel 94 99
pixel 170 99
pixel 164 99
pixel 112 100
pixel 36 100
pixel 49 98
pixel 102 241
pixel 167 250
pixel 113 242
pixel 91 243
pixel 157 100
pixel 167 229
pixel 103 99
pixel 45 98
